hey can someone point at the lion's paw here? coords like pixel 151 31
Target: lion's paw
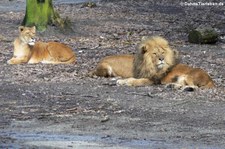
pixel 125 82
pixel 10 61
pixel 121 82
pixel 173 86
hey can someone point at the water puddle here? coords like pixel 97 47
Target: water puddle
pixel 20 140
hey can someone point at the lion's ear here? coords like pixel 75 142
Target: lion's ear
pixel 143 38
pixel 143 49
pixel 33 29
pixel 21 28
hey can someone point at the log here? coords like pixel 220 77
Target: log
pixel 203 35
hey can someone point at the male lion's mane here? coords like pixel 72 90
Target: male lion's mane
pixel 144 64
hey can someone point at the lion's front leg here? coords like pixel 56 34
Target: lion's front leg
pixel 17 60
pixel 134 82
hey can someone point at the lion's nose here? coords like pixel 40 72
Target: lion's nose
pixel 161 58
pixel 33 39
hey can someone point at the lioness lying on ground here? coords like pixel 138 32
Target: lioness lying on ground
pixel 154 63
pixel 187 78
pixel 26 50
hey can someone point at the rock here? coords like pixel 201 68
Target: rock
pixel 89 4
pixel 203 35
pixel 105 119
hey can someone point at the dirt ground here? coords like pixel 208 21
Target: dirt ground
pixel 58 106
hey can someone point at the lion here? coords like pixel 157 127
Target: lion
pixel 115 66
pixel 188 78
pixel 125 66
pixel 26 50
pixel 152 62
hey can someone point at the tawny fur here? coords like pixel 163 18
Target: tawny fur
pixel 122 65
pixel 146 69
pixel 115 66
pixel 183 76
pixel 27 51
pixel 152 52
pixel 152 62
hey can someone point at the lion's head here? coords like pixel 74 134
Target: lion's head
pixel 154 58
pixel 27 35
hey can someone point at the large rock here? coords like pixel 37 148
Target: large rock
pixel 203 35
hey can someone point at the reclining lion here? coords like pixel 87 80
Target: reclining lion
pixel 154 63
pixel 26 50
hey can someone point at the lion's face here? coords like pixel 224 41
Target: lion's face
pixel 27 35
pixel 160 57
pixel 154 57
pixel 157 57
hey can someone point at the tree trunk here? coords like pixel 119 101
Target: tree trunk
pixel 40 13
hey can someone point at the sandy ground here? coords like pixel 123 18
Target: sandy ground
pixel 58 106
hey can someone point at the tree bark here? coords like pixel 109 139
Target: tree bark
pixel 40 13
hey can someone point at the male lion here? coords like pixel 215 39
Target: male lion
pixel 151 63
pixel 154 63
pixel 27 51
pixel 122 65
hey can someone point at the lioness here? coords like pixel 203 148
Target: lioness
pixel 187 78
pixel 26 50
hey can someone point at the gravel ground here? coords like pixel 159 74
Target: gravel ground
pixel 60 100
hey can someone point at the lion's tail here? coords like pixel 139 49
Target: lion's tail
pixel 71 60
